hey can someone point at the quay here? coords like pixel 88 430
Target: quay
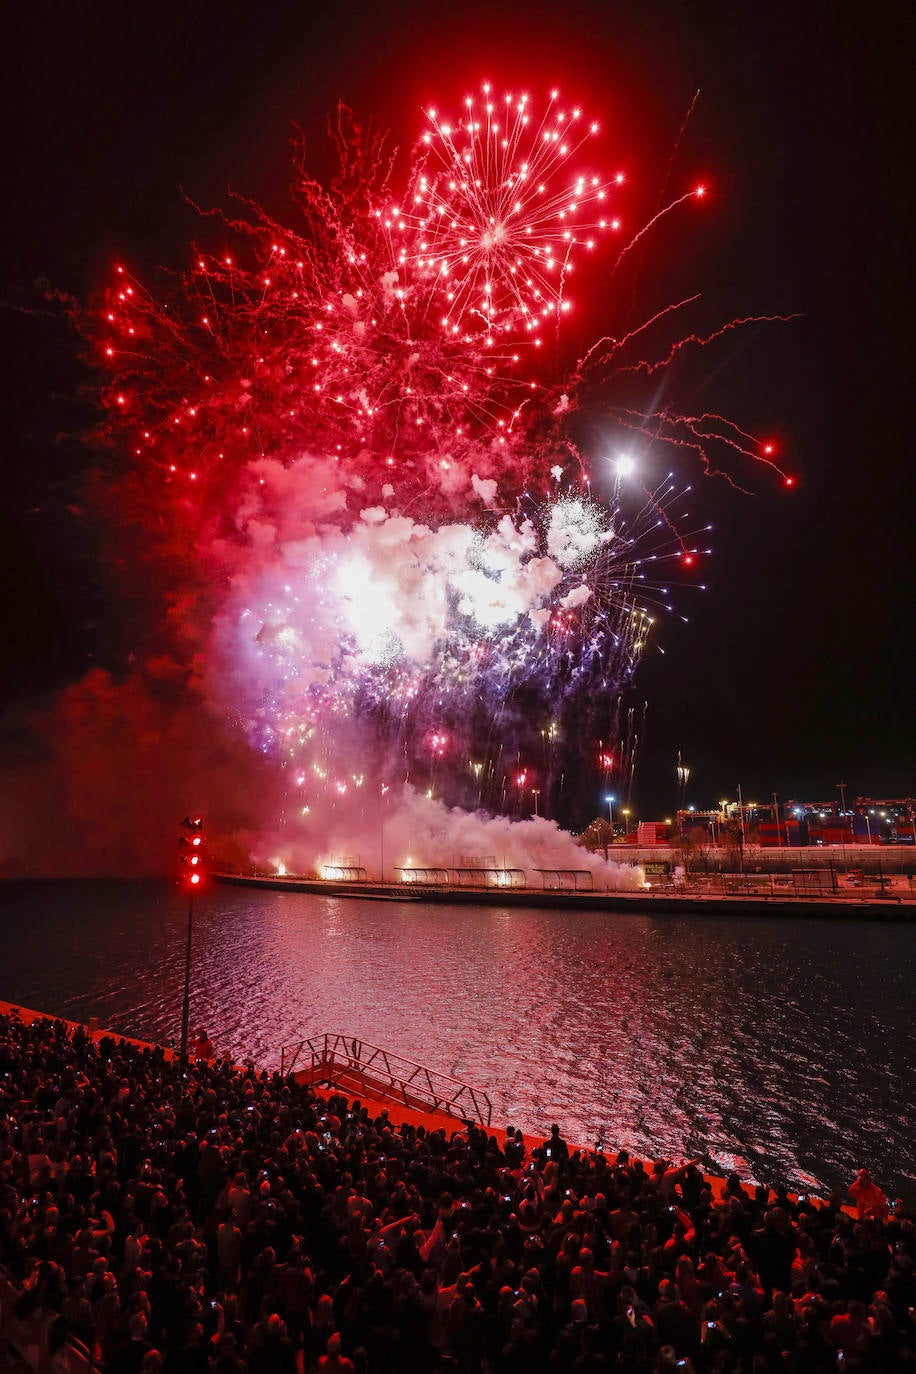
pixel 335 1065
pixel 338 1065
pixel 331 1070
pixel 757 894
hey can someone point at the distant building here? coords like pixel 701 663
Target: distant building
pixel 821 822
pixel 884 822
pixel 775 825
pixel 652 832
pixel 799 823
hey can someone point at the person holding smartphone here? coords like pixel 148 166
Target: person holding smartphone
pixel 556 1147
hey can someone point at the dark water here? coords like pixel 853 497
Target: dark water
pixel 785 1048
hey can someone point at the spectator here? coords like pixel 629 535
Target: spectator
pixel 868 1197
pixel 673 1321
pixel 229 1222
pixel 332 1362
pixel 556 1147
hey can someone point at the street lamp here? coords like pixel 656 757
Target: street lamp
pixel 535 792
pixel 381 833
pixel 776 812
pixel 741 814
pixel 610 810
pixel 741 824
pixel 842 790
pixel 626 822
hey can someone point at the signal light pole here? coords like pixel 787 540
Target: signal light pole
pixel 191 869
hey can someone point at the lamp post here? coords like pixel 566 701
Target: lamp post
pixel 610 811
pixel 842 790
pixel 741 824
pixel 535 792
pixel 191 866
pixel 776 813
pixel 381 833
pixel 741 814
pixel 626 822
pixel 186 1001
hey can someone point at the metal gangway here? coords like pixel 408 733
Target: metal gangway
pixel 344 1063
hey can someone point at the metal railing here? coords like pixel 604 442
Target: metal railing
pixel 360 1069
pixel 804 882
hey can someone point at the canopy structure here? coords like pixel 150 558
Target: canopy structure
pixel 490 877
pixel 435 877
pixel 567 879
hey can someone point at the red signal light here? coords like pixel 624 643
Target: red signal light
pixel 191 867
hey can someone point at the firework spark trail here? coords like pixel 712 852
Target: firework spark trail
pixel 395 537
pixel 676 147
pixel 663 190
pixel 696 194
pixel 615 345
pixel 649 368
pixel 678 432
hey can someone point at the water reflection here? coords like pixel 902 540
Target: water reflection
pixel 787 1048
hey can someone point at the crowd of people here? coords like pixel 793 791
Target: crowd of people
pixel 215 1220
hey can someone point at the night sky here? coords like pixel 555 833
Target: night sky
pixel 794 672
